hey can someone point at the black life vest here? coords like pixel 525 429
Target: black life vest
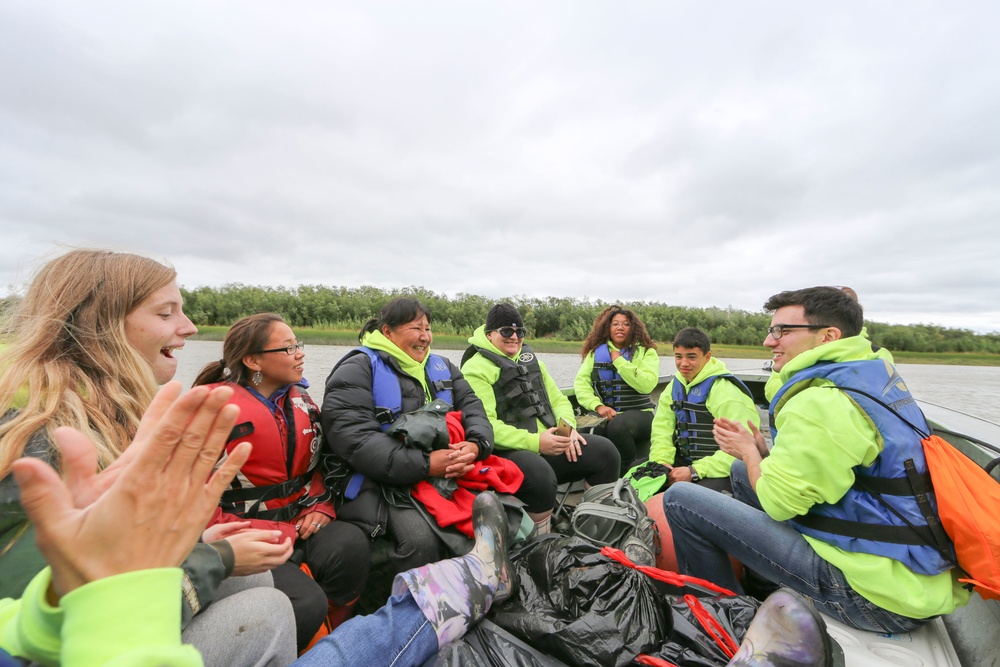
pixel 521 398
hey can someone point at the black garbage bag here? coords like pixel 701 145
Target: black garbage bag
pixel 581 607
pixel 489 645
pixel 689 644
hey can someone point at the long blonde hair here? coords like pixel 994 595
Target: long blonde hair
pixel 69 362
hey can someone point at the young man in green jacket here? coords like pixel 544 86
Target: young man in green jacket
pixel 683 448
pixel 797 517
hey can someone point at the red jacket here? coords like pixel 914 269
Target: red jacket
pixel 492 473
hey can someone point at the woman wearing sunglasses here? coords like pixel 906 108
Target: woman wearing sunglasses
pixel 281 486
pixel 527 409
pixel 620 368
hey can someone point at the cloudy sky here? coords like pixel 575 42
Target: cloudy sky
pixel 694 153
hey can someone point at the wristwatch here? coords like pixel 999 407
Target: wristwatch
pixel 694 474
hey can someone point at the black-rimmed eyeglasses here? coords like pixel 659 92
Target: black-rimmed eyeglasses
pixel 778 330
pixel 510 332
pixel 290 350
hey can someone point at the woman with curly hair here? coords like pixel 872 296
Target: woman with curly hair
pixel 620 368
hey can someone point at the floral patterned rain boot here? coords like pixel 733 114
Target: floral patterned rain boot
pixel 454 594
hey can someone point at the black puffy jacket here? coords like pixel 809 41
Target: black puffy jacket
pixel 354 436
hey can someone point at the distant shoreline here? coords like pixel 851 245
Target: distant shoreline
pixel 451 342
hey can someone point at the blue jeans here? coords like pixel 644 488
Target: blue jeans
pixel 398 634
pixel 708 526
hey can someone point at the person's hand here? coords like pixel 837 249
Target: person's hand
pixel 307 525
pixel 88 485
pixel 734 439
pixel 680 474
pixel 153 510
pixel 450 463
pixel 257 550
pixel 575 448
pixel 758 439
pixel 606 412
pixel 551 443
pixel 463 457
pixel 221 531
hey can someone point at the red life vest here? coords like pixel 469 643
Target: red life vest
pixel 281 480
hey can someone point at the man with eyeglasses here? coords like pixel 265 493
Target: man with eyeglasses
pixel 525 406
pixel 807 514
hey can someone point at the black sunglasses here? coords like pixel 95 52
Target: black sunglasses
pixel 510 332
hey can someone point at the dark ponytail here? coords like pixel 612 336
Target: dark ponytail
pixel 214 371
pixel 368 327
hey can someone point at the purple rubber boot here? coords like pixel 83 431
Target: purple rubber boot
pixel 786 632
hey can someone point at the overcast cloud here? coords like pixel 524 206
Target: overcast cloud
pixel 694 153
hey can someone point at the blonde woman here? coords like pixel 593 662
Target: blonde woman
pixel 94 335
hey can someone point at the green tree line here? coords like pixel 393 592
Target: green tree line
pixel 347 308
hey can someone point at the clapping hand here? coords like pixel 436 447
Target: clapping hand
pixel 146 512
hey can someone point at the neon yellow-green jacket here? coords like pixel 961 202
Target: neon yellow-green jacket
pixel 724 400
pixel 642 374
pixel 129 620
pixel 482 374
pixel 822 436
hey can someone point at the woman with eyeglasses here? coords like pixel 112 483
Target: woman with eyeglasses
pixel 281 486
pixel 527 411
pixel 390 377
pixel 619 371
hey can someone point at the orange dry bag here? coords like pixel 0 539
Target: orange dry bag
pixel 968 501
pixel 968 506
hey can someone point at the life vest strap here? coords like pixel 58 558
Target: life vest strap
pixel 280 490
pixel 911 535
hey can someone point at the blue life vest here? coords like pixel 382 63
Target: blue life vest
pixel 891 502
pixel 389 397
pixel 385 385
pixel 693 426
pixel 613 391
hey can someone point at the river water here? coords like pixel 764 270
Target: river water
pixel 974 390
